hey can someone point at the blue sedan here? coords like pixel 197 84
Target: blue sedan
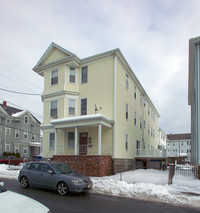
pixel 53 175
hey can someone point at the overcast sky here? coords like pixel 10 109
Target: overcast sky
pixel 153 36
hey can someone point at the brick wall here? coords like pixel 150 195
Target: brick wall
pixel 92 165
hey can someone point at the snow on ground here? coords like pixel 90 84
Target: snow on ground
pixel 140 184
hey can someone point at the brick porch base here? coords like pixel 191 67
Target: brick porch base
pixel 91 165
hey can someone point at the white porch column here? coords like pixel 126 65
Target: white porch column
pixel 56 141
pixel 99 138
pixel 76 140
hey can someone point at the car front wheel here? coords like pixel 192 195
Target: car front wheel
pixel 62 188
pixel 24 182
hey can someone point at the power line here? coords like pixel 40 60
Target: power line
pixel 20 93
pixel 18 75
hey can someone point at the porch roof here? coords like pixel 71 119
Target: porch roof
pixel 84 120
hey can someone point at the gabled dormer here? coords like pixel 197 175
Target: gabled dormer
pixel 54 56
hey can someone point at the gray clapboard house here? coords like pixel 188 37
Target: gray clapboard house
pixel 19 132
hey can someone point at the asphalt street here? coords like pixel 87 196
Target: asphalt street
pixel 92 203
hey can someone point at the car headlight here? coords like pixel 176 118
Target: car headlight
pixel 77 181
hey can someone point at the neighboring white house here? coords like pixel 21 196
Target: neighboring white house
pixel 162 137
pixel 179 145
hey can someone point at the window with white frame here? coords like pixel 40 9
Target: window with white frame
pixel 25 135
pixel 135 92
pixel 127 82
pixel 33 137
pixel 25 149
pixel 72 75
pixel 16 149
pixel 8 131
pixel 17 133
pixel 54 77
pixel 54 109
pixel 7 147
pixel 84 106
pixel 84 74
pixel 71 106
pixel 51 140
pixel 135 119
pixel 127 111
pixel 126 142
pixel 148 109
pixel 26 119
pixel 140 122
pixel 148 129
pixel 70 140
pixel 140 99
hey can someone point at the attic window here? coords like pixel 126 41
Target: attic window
pixel 54 77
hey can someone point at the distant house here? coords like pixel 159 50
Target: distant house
pixel 19 132
pixel 95 111
pixel 179 145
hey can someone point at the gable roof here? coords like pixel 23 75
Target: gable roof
pixel 14 112
pixel 66 55
pixel 179 136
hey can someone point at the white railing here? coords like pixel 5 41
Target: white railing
pixel 150 153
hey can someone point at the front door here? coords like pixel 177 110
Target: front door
pixel 83 143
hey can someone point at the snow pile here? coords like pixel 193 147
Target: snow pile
pixel 140 184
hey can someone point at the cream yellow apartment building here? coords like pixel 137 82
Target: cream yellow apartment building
pixel 95 110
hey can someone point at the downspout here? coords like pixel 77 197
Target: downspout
pixel 198 104
pixel 114 106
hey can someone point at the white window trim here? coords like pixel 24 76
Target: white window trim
pixel 25 133
pixel 25 119
pixel 50 107
pixel 53 70
pixel 68 147
pixel 69 75
pixel 70 99
pixel 25 148
pixel 8 131
pixel 6 147
pixel 17 131
pixel 17 147
pixel 50 148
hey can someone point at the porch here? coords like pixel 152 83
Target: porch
pixel 83 135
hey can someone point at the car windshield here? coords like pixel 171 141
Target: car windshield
pixel 62 168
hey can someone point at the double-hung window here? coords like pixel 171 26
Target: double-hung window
pixel 135 92
pixel 135 118
pixel 51 140
pixel 126 142
pixel 127 111
pixel 84 75
pixel 17 133
pixel 84 106
pixel 54 77
pixel 54 109
pixel 70 140
pixel 25 119
pixel 25 135
pixel 71 106
pixel 72 75
pixel 16 149
pixel 127 82
pixel 25 149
